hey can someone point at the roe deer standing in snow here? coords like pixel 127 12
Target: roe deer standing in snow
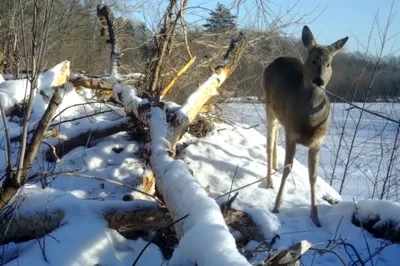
pixel 295 97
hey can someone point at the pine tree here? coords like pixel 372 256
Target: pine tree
pixel 220 20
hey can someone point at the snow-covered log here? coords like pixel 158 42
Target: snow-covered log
pixel 205 226
pixel 11 93
pixel 50 80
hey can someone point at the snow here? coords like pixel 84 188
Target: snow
pixel 386 211
pixel 198 98
pixel 13 92
pixel 85 239
pixel 205 218
pixel 370 155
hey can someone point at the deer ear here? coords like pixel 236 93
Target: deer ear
pixel 308 39
pixel 337 46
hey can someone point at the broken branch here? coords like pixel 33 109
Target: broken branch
pixel 107 20
pixel 173 178
pixel 176 77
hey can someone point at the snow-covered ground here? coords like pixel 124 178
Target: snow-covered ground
pixel 371 150
pixel 84 239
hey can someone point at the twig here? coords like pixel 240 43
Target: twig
pixel 184 29
pixel 164 41
pixel 53 150
pixel 233 180
pixel 65 121
pixel 252 183
pixel 362 230
pixel 250 127
pixel 363 109
pixel 228 205
pixel 345 244
pixel 78 118
pixel 72 106
pixel 75 174
pixel 389 168
pixel 8 144
pixel 148 243
pixel 321 250
pixel 115 183
pixel 337 228
pixel 66 146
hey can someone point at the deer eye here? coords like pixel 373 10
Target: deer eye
pixel 314 62
pixel 327 65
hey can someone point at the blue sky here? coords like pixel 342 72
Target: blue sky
pixel 339 18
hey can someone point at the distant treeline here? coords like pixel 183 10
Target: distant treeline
pixel 75 36
pixel 356 76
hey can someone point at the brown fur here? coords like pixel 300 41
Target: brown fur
pixel 295 97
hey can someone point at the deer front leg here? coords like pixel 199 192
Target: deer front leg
pixel 313 160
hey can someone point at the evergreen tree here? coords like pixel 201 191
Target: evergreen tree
pixel 220 20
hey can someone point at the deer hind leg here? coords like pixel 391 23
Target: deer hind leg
pixel 313 159
pixel 275 149
pixel 289 156
pixel 272 125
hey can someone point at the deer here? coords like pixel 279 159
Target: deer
pixel 295 97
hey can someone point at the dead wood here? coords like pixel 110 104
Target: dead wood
pixel 144 223
pixel 136 223
pixel 176 77
pixel 21 229
pixel 200 127
pixel 84 139
pixel 11 185
pixel 388 230
pixel 41 129
pixel 96 84
pixel 166 127
pixel 164 45
pixel 106 18
pixel 289 256
pixel 210 88
pixel 146 183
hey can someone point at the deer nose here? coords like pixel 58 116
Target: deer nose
pixel 319 82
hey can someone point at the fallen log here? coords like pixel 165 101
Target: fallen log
pixel 182 194
pixel 21 229
pixel 12 183
pixel 84 139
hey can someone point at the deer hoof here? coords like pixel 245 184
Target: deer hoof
pixel 268 184
pixel 316 220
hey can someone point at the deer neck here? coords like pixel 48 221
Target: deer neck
pixel 317 103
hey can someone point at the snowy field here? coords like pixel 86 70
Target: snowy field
pixel 84 238
pixel 367 166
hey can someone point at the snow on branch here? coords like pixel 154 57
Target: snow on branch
pixel 106 18
pixel 183 195
pixel 210 87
